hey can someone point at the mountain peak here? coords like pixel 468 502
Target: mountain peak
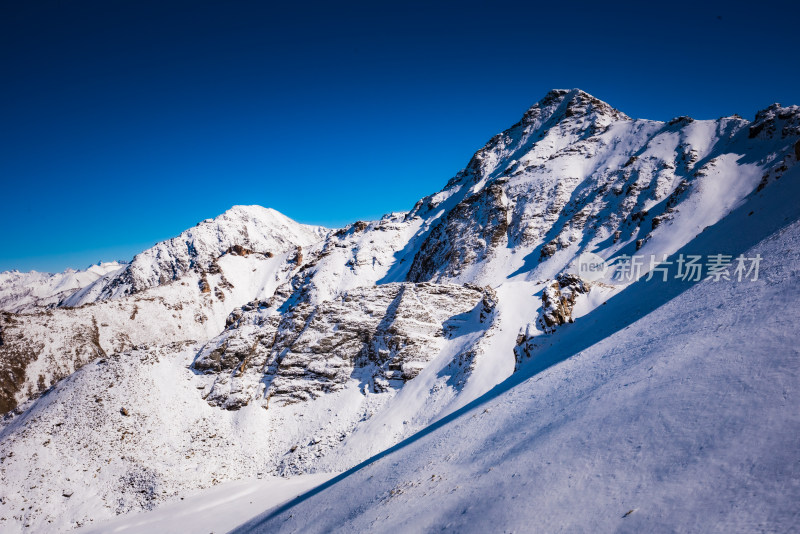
pixel 254 228
pixel 777 121
pixel 562 104
pixel 251 211
pixel 265 216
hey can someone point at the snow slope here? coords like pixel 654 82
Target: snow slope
pixel 216 511
pixel 674 408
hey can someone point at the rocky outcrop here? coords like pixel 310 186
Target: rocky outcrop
pixel 380 336
pixel 776 121
pixel 558 300
pixel 14 359
pixel 31 356
pixel 474 227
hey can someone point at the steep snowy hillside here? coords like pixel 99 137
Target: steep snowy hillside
pixel 252 345
pixel 25 291
pixel 141 427
pixel 642 417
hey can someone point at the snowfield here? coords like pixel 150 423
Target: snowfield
pixel 217 510
pixel 445 368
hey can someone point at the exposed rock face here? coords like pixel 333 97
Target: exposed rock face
pixel 381 336
pixel 41 348
pixel 29 339
pixel 776 121
pixel 13 362
pixel 558 300
pixel 239 250
pixel 470 231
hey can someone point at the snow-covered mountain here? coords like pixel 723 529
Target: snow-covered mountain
pixel 671 409
pixel 24 291
pixel 252 345
pixel 241 230
pixel 195 279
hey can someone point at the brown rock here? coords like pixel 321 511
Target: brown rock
pixel 205 287
pixel 238 250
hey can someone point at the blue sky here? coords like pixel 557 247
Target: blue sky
pixel 124 122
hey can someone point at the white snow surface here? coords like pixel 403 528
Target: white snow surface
pixel 216 510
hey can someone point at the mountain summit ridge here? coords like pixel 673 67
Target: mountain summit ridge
pixel 252 228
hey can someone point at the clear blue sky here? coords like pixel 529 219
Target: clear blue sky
pixel 125 122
